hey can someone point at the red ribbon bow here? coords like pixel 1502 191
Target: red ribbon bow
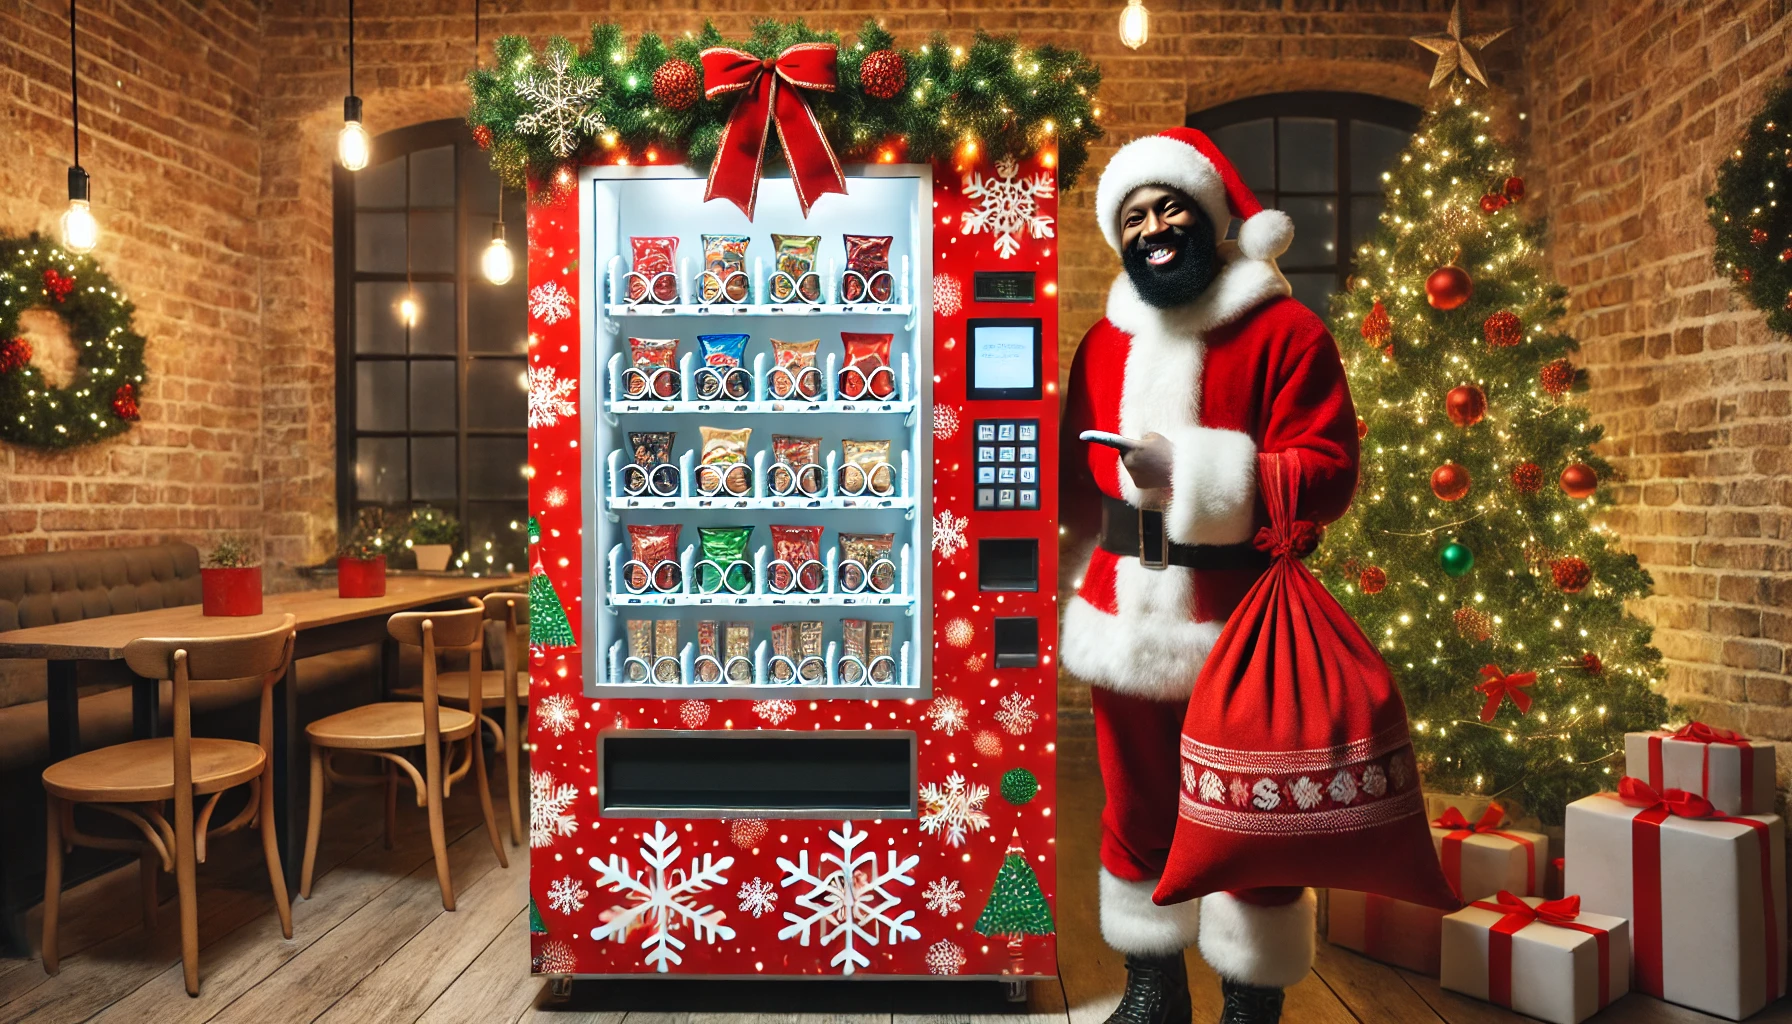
pixel 770 98
pixel 1678 802
pixel 1300 540
pixel 1490 820
pixel 1499 686
pixel 1699 732
pixel 1450 851
pixel 1517 916
pixel 58 285
pixel 1556 912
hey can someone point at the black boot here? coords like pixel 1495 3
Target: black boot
pixel 1249 1004
pixel 1156 991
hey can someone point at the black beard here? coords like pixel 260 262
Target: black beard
pixel 1183 279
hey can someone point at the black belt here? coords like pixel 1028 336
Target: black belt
pixel 1121 535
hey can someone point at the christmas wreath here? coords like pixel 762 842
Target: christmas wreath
pixel 1754 230
pixel 101 401
pixel 538 112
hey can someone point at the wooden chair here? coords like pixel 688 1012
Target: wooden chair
pixel 512 611
pixel 132 780
pixel 385 729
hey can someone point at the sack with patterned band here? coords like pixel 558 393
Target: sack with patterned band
pixel 1297 769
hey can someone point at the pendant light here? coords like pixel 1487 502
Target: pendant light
pixel 1135 24
pixel 80 232
pixel 497 262
pixel 351 143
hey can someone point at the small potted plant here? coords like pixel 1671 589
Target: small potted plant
pixel 430 536
pixel 230 579
pixel 361 561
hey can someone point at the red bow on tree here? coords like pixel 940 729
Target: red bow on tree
pixel 1678 802
pixel 770 98
pixel 1556 912
pixel 57 285
pixel 1499 686
pixel 1490 820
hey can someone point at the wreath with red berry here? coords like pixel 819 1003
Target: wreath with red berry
pixel 1754 230
pixel 101 400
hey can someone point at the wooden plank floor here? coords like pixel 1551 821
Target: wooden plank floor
pixel 373 945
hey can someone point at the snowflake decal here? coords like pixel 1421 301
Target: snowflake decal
pixel 948 534
pixel 550 397
pixel 1375 781
pixel 852 903
pixel 1017 715
pixel 960 632
pixel 557 712
pixel 954 810
pixel 1307 793
pixel 566 896
pixel 947 715
pixel 774 711
pixel 559 104
pixel 549 302
pixel 943 897
pixel 1342 788
pixel 945 958
pixel 945 422
pixel 758 897
pixel 1212 789
pixel 663 897
pixel 1266 795
pixel 556 958
pixel 693 713
pixel 1010 205
pixel 988 744
pixel 948 295
pixel 556 497
pixel 746 832
pixel 975 663
pixel 1241 793
pixel 550 806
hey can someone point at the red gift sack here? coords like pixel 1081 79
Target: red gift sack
pixel 1297 769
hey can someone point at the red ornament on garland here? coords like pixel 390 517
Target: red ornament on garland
pixel 1571 574
pixel 482 136
pixel 1449 481
pixel 1362 428
pixel 1591 665
pixel 675 84
pixel 883 74
pixel 1448 287
pixel 1513 188
pixel 124 402
pixel 1378 328
pixel 1473 623
pixel 1557 377
pixel 1372 580
pixel 1579 481
pixel 1502 329
pixel 1756 236
pixel 1493 202
pixel 1527 478
pixel 1745 275
pixel 1466 405
pixel 57 285
pixel 14 355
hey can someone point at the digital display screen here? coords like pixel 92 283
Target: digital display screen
pixel 1004 359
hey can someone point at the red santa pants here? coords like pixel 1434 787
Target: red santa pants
pixel 1254 936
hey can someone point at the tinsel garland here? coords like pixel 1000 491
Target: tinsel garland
pixel 993 92
pixel 1754 232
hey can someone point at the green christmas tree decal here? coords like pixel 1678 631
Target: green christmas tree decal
pixel 536 927
pixel 1016 904
pixel 1472 541
pixel 548 625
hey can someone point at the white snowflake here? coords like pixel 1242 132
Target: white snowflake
pixel 557 712
pixel 1375 781
pixel 1241 793
pixel 945 958
pixel 960 632
pixel 560 104
pixel 567 895
pixel 948 295
pixel 550 397
pixel 1017 715
pixel 549 809
pixel 774 711
pixel 757 897
pixel 1307 793
pixel 954 810
pixel 693 713
pixel 948 534
pixel 556 497
pixel 945 422
pixel 556 958
pixel 1266 795
pixel 944 896
pixel 1213 790
pixel 663 897
pixel 851 903
pixel 947 715
pixel 1010 205
pixel 549 302
pixel 1189 780
pixel 1343 787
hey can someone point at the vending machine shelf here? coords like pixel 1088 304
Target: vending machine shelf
pixel 651 309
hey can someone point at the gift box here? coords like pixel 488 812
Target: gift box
pixel 1722 766
pixel 1704 894
pixel 1545 959
pixel 1479 858
pixel 1383 928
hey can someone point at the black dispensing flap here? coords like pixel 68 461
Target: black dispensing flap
pixel 1005 563
pixel 1017 642
pixel 711 774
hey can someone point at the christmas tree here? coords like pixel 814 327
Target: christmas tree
pixel 1473 556
pixel 548 625
pixel 1016 904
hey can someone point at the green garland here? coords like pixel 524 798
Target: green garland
pixel 101 401
pixel 1754 231
pixel 1010 98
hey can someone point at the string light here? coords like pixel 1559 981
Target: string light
pixel 352 144
pixel 1135 24
pixel 80 232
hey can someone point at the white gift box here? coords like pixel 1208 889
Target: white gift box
pixel 1542 970
pixel 1386 929
pixel 1705 898
pixel 1735 775
pixel 1482 859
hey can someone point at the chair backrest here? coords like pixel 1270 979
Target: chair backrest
pixel 234 656
pixel 498 605
pixel 458 628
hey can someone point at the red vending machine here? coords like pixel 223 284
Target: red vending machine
pixel 792 499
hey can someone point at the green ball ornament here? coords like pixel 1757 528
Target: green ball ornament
pixel 1019 786
pixel 1456 558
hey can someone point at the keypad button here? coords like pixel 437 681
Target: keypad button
pixel 1005 454
pixel 1004 431
pixel 1005 475
pixel 1005 498
pixel 986 497
pixel 1029 454
pixel 986 474
pixel 1029 498
pixel 986 431
pixel 986 454
pixel 1029 474
pixel 1029 431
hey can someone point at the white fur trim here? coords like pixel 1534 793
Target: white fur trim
pixel 1266 235
pixel 1153 649
pixel 1271 947
pixel 1213 486
pixel 1132 924
pixel 1241 286
pixel 1159 160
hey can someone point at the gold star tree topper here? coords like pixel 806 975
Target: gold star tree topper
pixel 1454 51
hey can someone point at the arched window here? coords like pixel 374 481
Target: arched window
pixel 1317 156
pixel 431 394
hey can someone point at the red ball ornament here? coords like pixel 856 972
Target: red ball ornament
pixel 483 136
pixel 57 285
pixel 1579 481
pixel 1448 287
pixel 1493 202
pixel 1449 481
pixel 124 402
pixel 1527 478
pixel 1513 188
pixel 16 353
pixel 1378 328
pixel 1591 665
pixel 1745 275
pixel 1571 574
pixel 1557 377
pixel 1502 329
pixel 1372 580
pixel 1362 425
pixel 675 84
pixel 1466 405
pixel 883 74
pixel 1757 236
pixel 1473 623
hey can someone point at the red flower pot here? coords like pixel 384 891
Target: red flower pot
pixel 230 591
pixel 361 577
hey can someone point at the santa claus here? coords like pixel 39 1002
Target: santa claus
pixel 1202 362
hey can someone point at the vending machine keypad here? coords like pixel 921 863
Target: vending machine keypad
pixel 1007 465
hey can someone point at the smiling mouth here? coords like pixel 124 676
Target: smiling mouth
pixel 1158 255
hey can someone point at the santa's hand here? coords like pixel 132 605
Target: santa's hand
pixel 1149 463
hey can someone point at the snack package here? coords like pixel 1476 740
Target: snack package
pixel 872 553
pixel 794 374
pixel 655 269
pixel 722 356
pixel 852 635
pixel 649 356
pixel 865 468
pixel 808 651
pixel 665 651
pixel 655 547
pixel 796 465
pixel 783 646
pixel 651 447
pixel 794 259
pixel 868 266
pixel 726 450
pixel 798 549
pixel 725 268
pixel 737 642
pixel 706 648
pixel 640 645
pixel 650 450
pixel 878 644
pixel 724 546
pixel 867 371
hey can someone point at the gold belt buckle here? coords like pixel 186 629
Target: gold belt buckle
pixel 1146 549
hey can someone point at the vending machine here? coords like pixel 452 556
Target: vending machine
pixel 794 671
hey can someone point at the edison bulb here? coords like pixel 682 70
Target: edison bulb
pixel 80 232
pixel 1135 24
pixel 497 262
pixel 351 145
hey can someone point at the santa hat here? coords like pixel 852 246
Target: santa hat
pixel 1187 160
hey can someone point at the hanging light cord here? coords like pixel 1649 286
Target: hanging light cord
pixel 74 80
pixel 351 46
pixel 475 35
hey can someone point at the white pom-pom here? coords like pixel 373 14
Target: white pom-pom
pixel 1266 235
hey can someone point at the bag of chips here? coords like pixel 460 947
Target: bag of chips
pixel 867 371
pixel 879 643
pixel 783 668
pixel 808 651
pixel 640 650
pixel 794 373
pixel 722 462
pixel 796 559
pixel 665 651
pixel 653 558
pixel 722 374
pixel 796 466
pixel 652 471
pixel 795 276
pixel 655 270
pixel 654 369
pixel 867 269
pixel 723 554
pixel 865 468
pixel 709 662
pixel 725 268
pixel 737 651
pixel 853 664
pixel 865 562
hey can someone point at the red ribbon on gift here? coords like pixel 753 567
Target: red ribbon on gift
pixel 1450 852
pixel 1519 915
pixel 1646 880
pixel 1499 686
pixel 1699 732
pixel 770 98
